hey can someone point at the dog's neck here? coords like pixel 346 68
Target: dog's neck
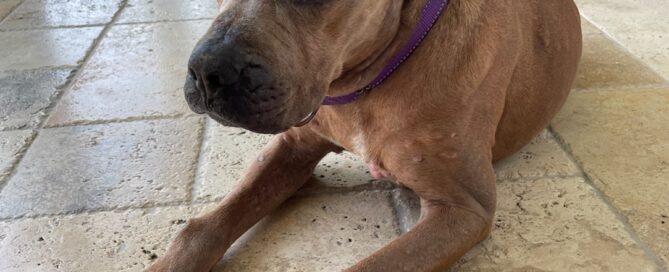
pixel 358 71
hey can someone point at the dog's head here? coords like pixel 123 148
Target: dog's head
pixel 265 65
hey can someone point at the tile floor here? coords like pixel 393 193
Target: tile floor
pixel 101 161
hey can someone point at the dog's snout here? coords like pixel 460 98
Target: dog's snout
pixel 223 71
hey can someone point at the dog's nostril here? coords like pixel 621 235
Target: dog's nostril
pixel 214 82
pixel 192 74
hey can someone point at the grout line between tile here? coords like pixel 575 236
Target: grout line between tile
pixel 631 88
pixel 77 73
pixel 609 203
pixel 100 210
pixel 14 164
pixel 84 123
pixel 11 11
pixel 51 27
pixel 183 203
pixel 198 163
pixel 166 21
pixel 60 92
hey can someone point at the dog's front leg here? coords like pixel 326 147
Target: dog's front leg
pixel 458 202
pixel 283 167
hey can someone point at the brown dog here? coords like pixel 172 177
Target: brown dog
pixel 487 79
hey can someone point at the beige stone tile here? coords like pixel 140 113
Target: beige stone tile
pixel 152 11
pixel 620 138
pixel 640 25
pixel 605 64
pixel 588 28
pixel 21 50
pixel 135 72
pixel 555 225
pixel 341 170
pixel 106 241
pixel 11 145
pixel 316 233
pixel 56 13
pixel 301 236
pixel 103 166
pixel 25 95
pixel 226 152
pixel 542 157
pixel 6 6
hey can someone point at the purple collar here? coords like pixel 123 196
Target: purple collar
pixel 433 9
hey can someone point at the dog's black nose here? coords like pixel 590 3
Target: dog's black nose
pixel 221 71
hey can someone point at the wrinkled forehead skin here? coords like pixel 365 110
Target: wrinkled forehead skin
pixel 325 36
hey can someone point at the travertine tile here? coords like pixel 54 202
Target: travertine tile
pixel 11 144
pixel 341 170
pixel 20 50
pixel 57 13
pixel 640 25
pixel 306 234
pixel 106 241
pixel 588 28
pixel 550 224
pixel 542 157
pixel 25 95
pixel 104 166
pixel 6 7
pixel 316 233
pixel 226 152
pixel 605 64
pixel 152 11
pixel 138 70
pixel 555 225
pixel 620 138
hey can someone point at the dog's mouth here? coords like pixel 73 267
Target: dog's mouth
pixel 266 112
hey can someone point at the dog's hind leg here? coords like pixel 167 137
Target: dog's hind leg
pixel 283 167
pixel 458 202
